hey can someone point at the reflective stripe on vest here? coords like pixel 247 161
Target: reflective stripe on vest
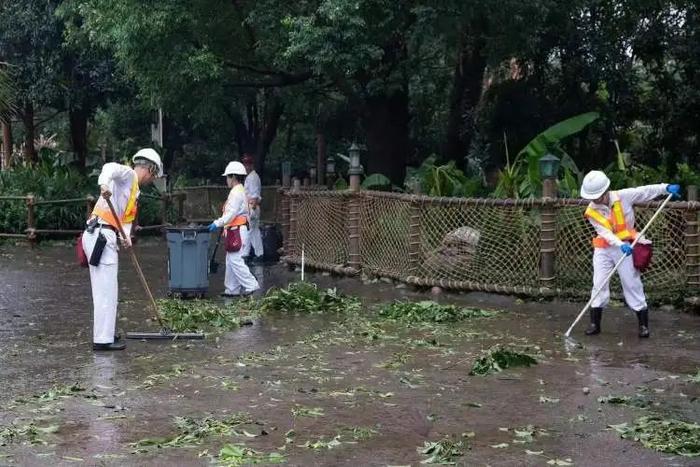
pixel 616 224
pixel 103 212
pixel 241 219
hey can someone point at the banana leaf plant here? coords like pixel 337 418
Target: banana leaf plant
pixel 521 179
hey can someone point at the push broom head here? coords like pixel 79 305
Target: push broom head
pixel 164 334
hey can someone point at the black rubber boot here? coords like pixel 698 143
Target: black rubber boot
pixel 643 317
pixel 109 347
pixel 596 316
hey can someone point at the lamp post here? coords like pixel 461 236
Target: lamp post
pixel 312 174
pixel 330 171
pixel 286 174
pixel 549 169
pixel 355 171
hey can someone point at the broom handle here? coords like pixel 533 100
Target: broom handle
pixel 612 273
pixel 135 262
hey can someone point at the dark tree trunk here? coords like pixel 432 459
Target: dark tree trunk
pixel 268 132
pixel 78 134
pixel 467 84
pixel 321 157
pixel 6 143
pixel 30 154
pixel 386 120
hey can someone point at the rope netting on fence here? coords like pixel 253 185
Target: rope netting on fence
pixel 475 244
pixel 321 227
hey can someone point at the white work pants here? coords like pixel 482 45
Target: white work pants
pixel 239 279
pixel 255 235
pixel 103 279
pixel 604 260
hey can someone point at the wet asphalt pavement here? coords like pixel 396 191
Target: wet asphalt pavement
pixel 407 385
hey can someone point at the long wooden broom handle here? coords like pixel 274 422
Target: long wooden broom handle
pixel 135 262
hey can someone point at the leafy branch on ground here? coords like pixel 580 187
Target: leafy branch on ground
pixel 430 312
pixel 30 432
pixel 500 358
pixel 664 435
pixel 194 315
pixel 637 401
pixel 192 431
pixel 443 452
pixel 305 297
pixel 238 454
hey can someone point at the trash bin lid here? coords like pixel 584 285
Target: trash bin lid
pixel 187 228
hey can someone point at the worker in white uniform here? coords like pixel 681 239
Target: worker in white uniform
pixel 253 189
pixel 120 183
pixel 612 215
pixel 239 281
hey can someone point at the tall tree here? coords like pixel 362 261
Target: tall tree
pixel 30 41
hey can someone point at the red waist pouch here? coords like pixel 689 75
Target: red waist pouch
pixel 641 256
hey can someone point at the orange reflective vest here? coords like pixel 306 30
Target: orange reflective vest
pixel 616 223
pixel 241 219
pixel 103 212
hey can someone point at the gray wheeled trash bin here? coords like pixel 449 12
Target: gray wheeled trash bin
pixel 188 261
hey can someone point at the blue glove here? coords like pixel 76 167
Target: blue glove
pixel 212 227
pixel 675 190
pixel 626 249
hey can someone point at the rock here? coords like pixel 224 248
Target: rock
pixel 586 390
pixel 667 308
pixel 400 285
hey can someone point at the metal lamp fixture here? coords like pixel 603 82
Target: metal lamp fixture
pixel 354 152
pixel 330 165
pixel 286 169
pixel 549 166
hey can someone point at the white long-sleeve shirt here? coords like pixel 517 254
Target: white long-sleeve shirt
pixel 119 179
pixel 628 197
pixel 236 205
pixel 253 186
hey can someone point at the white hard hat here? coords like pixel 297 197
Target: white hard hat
pixel 150 155
pixel 595 184
pixel 234 168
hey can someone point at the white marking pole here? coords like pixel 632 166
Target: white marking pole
pixel 612 273
pixel 302 262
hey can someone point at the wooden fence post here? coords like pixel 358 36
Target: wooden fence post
pixel 181 206
pixel 414 237
pixel 164 201
pixel 692 242
pixel 354 254
pixel 291 245
pixel 284 203
pixel 548 233
pixel 31 219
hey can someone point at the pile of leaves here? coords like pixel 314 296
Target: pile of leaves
pixel 194 315
pixel 664 435
pixel 238 454
pixel 443 452
pixel 430 312
pixel 498 359
pixel 305 297
pixel 192 431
